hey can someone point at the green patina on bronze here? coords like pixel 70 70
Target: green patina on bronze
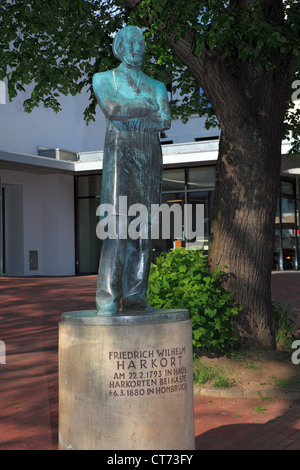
pixel 136 108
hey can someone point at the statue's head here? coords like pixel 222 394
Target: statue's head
pixel 129 46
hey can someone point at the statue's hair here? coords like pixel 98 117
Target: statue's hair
pixel 119 39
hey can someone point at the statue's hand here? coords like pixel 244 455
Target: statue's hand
pixel 152 105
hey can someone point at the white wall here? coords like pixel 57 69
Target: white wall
pixel 23 133
pixel 39 216
pixel 193 129
pixel 14 230
pixel 58 225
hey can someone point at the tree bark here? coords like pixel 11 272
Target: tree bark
pixel 242 234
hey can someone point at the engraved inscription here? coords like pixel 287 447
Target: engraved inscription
pixel 147 372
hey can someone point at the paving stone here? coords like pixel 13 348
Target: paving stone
pixel 30 310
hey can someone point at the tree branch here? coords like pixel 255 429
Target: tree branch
pixel 233 98
pixel 130 4
pixel 219 86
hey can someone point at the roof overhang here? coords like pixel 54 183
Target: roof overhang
pixel 34 164
pixel 174 155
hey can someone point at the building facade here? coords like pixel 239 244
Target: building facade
pixel 49 196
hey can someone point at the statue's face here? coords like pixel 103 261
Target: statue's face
pixel 133 48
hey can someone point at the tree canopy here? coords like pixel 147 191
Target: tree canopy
pixel 58 45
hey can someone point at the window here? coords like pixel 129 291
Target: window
pixel 286 252
pixel 179 186
pixel 88 245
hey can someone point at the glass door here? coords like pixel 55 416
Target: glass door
pixel 287 228
pixel 88 245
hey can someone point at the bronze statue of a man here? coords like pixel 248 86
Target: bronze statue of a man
pixel 136 108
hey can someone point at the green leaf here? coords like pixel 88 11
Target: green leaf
pixel 199 45
pixel 182 268
pixel 182 279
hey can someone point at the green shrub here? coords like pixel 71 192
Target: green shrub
pixel 181 279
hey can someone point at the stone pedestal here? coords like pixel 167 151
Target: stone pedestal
pixel 126 381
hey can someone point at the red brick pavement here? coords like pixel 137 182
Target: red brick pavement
pixel 30 309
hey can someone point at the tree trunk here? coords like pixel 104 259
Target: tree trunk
pixel 250 106
pixel 242 234
pixel 250 109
